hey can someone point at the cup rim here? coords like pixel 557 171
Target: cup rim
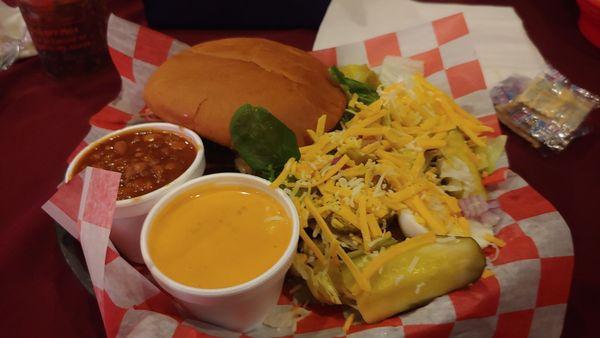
pixel 189 134
pixel 231 290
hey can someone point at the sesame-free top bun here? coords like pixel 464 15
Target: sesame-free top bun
pixel 201 87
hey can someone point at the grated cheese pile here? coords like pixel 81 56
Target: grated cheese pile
pixel 350 184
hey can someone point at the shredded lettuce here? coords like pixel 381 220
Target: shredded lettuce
pixel 318 280
pixel 395 69
pixel 493 151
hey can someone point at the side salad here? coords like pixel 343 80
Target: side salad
pixel 392 205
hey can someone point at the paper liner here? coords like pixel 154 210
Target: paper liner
pixel 526 296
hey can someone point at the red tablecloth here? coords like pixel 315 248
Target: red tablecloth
pixel 42 120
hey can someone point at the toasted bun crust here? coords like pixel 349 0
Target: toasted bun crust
pixel 201 87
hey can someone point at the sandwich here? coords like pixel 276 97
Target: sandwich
pixel 201 87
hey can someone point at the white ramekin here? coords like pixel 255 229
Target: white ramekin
pixel 241 307
pixel 130 213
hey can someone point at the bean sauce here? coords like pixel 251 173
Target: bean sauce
pixel 146 159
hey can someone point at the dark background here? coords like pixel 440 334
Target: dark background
pixel 42 120
pixel 235 13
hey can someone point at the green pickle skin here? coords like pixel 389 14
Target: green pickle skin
pixel 440 268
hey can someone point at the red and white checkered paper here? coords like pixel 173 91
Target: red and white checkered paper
pixel 525 298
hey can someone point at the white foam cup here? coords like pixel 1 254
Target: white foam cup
pixel 241 307
pixel 130 213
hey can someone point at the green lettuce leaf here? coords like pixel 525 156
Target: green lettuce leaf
pixel 262 140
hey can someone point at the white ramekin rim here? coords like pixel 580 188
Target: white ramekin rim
pixel 162 126
pixel 266 276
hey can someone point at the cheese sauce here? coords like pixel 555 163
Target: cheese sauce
pixel 219 236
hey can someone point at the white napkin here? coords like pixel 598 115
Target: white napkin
pixel 15 41
pixel 501 42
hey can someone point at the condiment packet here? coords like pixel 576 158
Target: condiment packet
pixel 546 110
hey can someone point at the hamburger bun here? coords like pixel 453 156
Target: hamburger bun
pixel 201 87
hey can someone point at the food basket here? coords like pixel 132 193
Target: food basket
pixel 525 296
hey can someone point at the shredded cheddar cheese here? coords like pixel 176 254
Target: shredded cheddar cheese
pixel 321 125
pixel 334 169
pixel 313 247
pixel 284 173
pixel 348 323
pixel 362 282
pixel 350 183
pixel 362 221
pixel 432 221
pixel 464 226
pixel 487 273
pixel 418 164
pixel 373 226
pixel 495 240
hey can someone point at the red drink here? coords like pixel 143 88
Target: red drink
pixel 69 35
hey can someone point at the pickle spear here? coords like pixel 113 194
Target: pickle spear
pixel 417 276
